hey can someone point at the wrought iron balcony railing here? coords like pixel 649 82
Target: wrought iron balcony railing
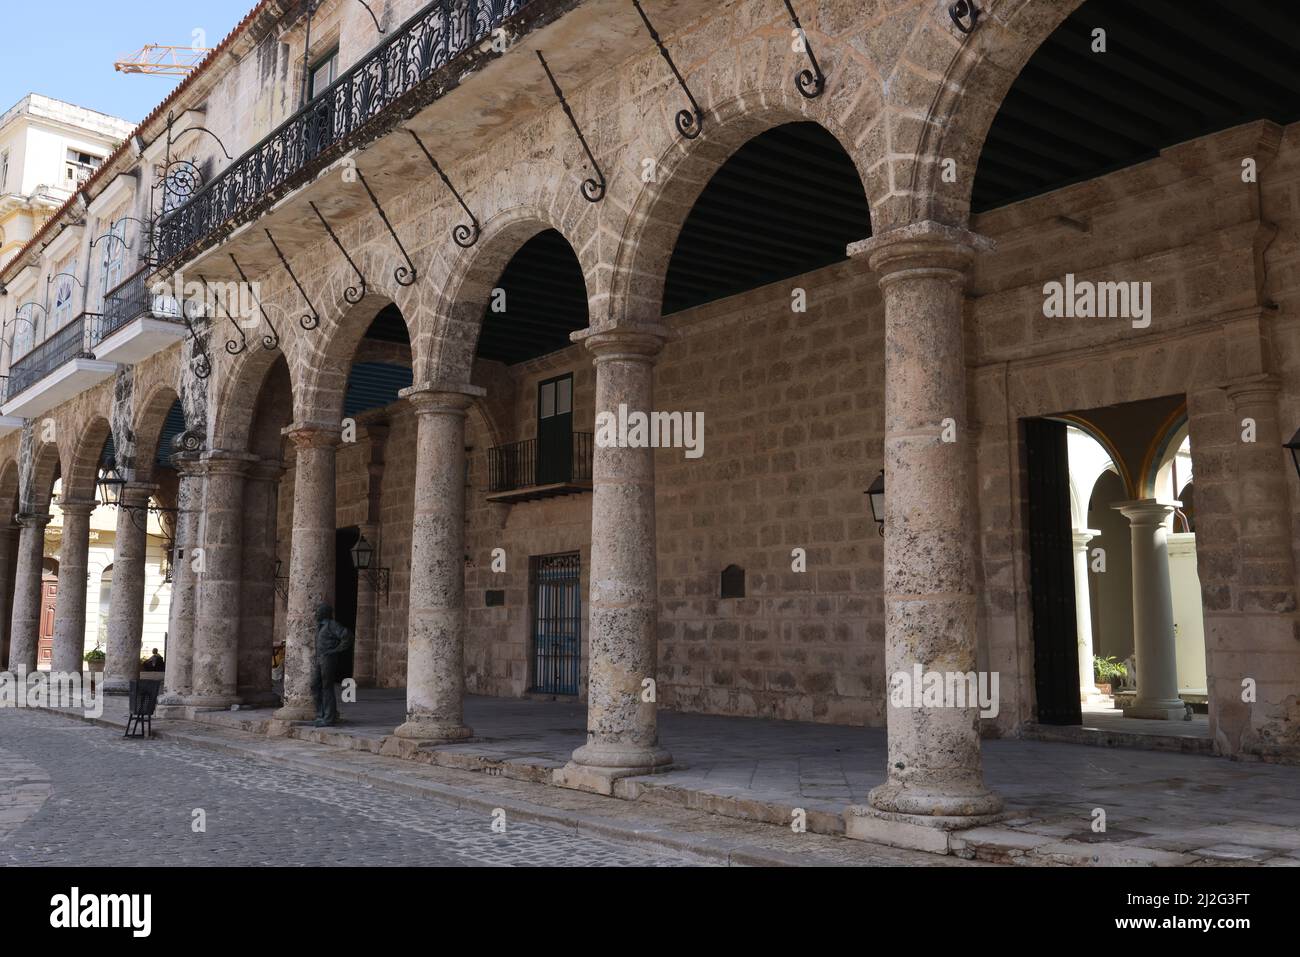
pixel 324 128
pixel 523 465
pixel 129 301
pixel 70 342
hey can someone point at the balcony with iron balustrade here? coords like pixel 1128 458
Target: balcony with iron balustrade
pixel 441 75
pixel 136 323
pixel 529 470
pixel 55 370
pixel 8 423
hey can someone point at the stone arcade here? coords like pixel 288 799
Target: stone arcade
pixel 376 394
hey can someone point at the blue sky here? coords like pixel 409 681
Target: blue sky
pixel 66 48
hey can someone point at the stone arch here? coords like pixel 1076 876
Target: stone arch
pixel 1163 447
pixel 474 273
pixel 958 109
pixel 148 425
pixel 684 169
pixel 9 490
pixel 237 396
pixel 324 355
pixel 79 482
pixel 47 466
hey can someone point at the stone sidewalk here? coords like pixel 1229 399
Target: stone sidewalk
pixel 1163 808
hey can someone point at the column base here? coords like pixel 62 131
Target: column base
pixel 600 780
pixel 421 728
pixel 1161 709
pixel 116 686
pixel 171 706
pixel 250 698
pixel 620 756
pixel 957 802
pixel 294 711
pixel 211 702
pixel 917 832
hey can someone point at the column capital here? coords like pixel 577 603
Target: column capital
pixel 77 507
pixel 313 435
pixel 926 248
pixel 223 462
pixel 33 519
pixel 1146 511
pixel 642 340
pixel 186 463
pixel 135 493
pixel 442 397
pixel 266 470
pixel 1082 536
pixel 1253 389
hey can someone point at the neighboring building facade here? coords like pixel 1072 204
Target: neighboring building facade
pixel 48 149
pixel 840 275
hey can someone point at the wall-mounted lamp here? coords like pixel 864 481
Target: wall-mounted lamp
pixel 876 495
pixel 281 581
pixel 1294 446
pixel 363 555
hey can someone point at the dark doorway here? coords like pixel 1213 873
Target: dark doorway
pixel 1051 572
pixel 557 622
pixel 555 430
pixel 345 587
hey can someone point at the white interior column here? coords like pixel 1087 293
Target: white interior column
pixel 1083 613
pixel 1153 612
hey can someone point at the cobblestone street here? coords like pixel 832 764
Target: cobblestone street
pixel 74 794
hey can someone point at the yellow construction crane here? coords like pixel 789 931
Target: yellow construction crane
pixel 160 60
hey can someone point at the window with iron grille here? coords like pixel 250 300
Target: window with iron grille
pixel 557 622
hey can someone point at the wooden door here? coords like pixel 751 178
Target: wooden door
pixel 45 647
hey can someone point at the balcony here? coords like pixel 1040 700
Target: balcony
pixel 8 423
pixel 529 470
pixel 135 323
pixel 395 79
pixel 59 368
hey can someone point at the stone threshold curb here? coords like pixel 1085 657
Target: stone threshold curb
pixel 313 758
pixel 1101 738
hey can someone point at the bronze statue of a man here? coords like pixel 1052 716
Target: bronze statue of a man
pixel 332 643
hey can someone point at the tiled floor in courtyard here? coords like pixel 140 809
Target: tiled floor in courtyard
pixel 1160 807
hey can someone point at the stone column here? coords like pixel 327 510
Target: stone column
pixel 1154 643
pixel 622 726
pixel 1083 613
pixel 25 622
pixel 435 655
pixel 935 773
pixel 126 605
pixel 214 682
pixel 70 611
pixel 257 604
pixel 8 567
pixel 1268 568
pixel 179 649
pixel 311 559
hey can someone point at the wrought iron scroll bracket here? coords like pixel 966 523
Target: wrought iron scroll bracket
pixel 271 341
pixel 232 348
pixel 352 294
pixel 405 275
pixel 593 187
pixel 810 83
pixel 306 321
pixel 464 236
pixel 963 10
pixel 690 123
pixel 202 363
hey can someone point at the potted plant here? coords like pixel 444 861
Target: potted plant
pixel 1107 671
pixel 94 659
